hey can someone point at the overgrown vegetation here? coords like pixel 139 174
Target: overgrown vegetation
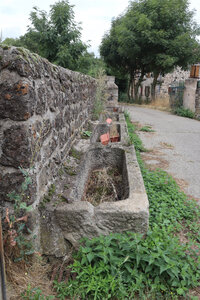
pixel 184 112
pixel 17 246
pixel 35 294
pixel 147 129
pixel 130 266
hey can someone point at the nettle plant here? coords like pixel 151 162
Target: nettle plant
pixel 15 239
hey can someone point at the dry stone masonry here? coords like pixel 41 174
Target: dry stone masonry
pixel 42 108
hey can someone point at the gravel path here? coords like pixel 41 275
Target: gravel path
pixel 175 146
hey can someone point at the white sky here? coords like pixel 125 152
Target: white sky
pixel 95 15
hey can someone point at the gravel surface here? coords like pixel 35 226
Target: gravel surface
pixel 175 146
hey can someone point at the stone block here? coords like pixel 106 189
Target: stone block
pixel 16 150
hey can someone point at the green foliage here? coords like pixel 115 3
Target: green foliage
pixel 86 134
pixel 133 136
pixel 123 265
pixel 75 153
pixel 184 112
pixel 16 222
pixel 129 266
pixel 147 129
pixel 48 197
pixel 35 294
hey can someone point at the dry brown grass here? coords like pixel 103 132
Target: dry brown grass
pixel 159 103
pixel 103 186
pixel 20 275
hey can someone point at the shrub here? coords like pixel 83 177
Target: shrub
pixel 184 112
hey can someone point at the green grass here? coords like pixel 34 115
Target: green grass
pixel 130 266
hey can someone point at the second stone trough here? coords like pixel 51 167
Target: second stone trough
pixel 130 212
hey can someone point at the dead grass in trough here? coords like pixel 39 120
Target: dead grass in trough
pixel 104 185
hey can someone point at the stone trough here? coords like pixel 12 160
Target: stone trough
pixel 104 128
pixel 81 219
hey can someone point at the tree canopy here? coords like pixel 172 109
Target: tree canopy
pixel 57 37
pixel 151 36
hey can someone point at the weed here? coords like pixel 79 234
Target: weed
pixel 134 139
pixel 47 198
pixel 35 294
pixel 15 242
pixel 70 170
pixel 61 172
pixel 129 266
pixel 66 186
pixel 86 134
pixel 184 112
pixel 74 153
pixel 5 47
pixel 147 129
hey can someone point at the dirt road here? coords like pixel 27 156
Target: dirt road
pixel 175 146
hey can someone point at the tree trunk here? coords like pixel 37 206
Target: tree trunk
pixel 128 90
pixel 130 87
pixel 138 84
pixel 155 79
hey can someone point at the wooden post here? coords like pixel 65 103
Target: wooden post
pixel 2 266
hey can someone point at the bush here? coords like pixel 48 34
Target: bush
pixel 184 112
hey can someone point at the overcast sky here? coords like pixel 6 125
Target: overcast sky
pixel 95 15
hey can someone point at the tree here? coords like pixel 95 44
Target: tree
pixel 56 36
pixel 151 36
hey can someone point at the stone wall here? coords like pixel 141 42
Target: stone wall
pixel 42 109
pixel 178 75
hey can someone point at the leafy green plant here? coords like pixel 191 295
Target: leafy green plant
pixel 75 153
pixel 14 238
pixel 35 294
pixel 134 139
pixel 130 266
pixel 47 198
pixel 86 134
pixel 184 112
